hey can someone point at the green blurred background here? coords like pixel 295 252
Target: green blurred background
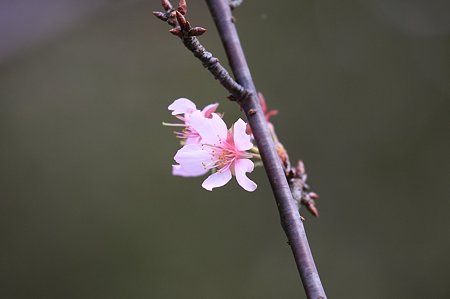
pixel 88 206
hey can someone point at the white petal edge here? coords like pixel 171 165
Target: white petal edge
pixel 208 110
pixel 177 170
pixel 192 158
pixel 212 130
pixel 241 138
pixel 217 179
pixel 181 106
pixel 241 167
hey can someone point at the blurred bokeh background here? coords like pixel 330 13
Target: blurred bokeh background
pixel 88 206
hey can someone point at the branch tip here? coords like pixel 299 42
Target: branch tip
pixel 184 24
pixel 314 195
pixel 313 210
pixel 160 15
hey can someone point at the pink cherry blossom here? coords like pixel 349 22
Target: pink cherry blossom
pixel 221 149
pixel 182 109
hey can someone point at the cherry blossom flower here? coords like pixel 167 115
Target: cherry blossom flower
pixel 182 109
pixel 220 149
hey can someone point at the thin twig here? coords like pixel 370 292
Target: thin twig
pixel 288 184
pixel 288 209
pixel 212 64
pixel 183 29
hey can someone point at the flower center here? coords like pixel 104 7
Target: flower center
pixel 223 156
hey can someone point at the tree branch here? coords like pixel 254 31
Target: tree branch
pixel 182 28
pixel 287 206
pixel 288 184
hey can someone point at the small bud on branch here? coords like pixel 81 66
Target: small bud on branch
pixel 188 35
pixel 197 31
pixel 160 15
pixel 176 31
pixel 287 183
pixel 182 7
pixel 184 25
pixel 166 4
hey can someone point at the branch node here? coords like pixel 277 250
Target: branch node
pixel 182 29
pixel 232 98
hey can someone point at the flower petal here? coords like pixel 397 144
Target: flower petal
pixel 193 140
pixel 212 130
pixel 177 170
pixel 192 159
pixel 181 106
pixel 208 110
pixel 242 166
pixel 240 136
pixel 217 179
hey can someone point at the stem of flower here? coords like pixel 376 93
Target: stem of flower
pixel 287 207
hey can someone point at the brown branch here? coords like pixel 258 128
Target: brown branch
pixel 288 209
pixel 288 195
pixel 188 35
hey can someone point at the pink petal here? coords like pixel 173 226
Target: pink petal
pixel 208 110
pixel 242 166
pixel 212 130
pixel 217 179
pixel 193 140
pixel 270 114
pixel 240 136
pixel 181 106
pixel 192 159
pixel 177 170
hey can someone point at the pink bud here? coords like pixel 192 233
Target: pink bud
pixel 182 7
pixel 160 15
pixel 176 31
pixel 197 31
pixel 166 4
